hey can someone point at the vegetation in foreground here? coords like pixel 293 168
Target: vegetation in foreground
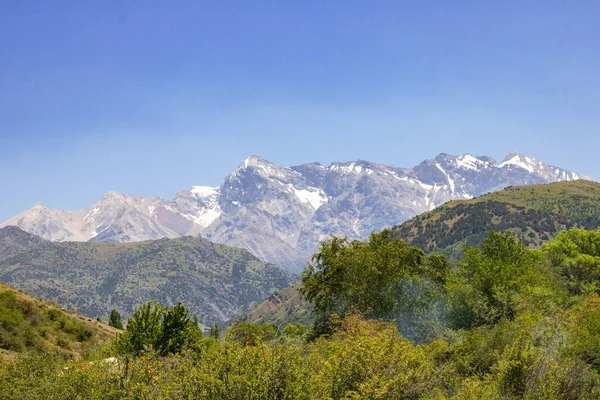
pixel 503 322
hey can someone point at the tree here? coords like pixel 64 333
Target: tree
pixel 498 280
pixel 177 330
pixel 164 329
pixel 369 277
pixel 575 256
pixel 115 319
pixel 215 332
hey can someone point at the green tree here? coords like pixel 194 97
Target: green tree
pixel 498 280
pixel 164 329
pixel 575 255
pixel 178 330
pixel 215 331
pixel 370 277
pixel 115 319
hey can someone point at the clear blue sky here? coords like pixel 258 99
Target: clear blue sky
pixel 148 97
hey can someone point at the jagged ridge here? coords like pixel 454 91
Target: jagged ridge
pixel 280 214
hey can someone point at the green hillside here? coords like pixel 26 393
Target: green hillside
pixel 535 214
pixel 282 307
pixel 215 281
pixel 28 323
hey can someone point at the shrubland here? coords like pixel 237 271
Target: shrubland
pixel 389 322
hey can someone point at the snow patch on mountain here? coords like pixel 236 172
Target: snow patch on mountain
pixel 467 161
pixel 205 217
pixel 204 191
pixel 521 162
pixel 315 197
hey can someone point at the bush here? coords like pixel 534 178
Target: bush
pixel 252 334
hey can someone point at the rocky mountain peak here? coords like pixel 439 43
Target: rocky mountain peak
pixel 253 161
pixel 111 194
pixel 257 166
pixel 465 161
pixel 281 213
pixel 352 167
pixel 512 155
pixel 519 160
pixel 204 191
pixel 536 167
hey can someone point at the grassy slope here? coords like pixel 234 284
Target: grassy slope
pixel 284 306
pixel 28 323
pixel 535 213
pixel 215 281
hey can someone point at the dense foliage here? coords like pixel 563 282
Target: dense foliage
pixel 382 278
pixel 503 322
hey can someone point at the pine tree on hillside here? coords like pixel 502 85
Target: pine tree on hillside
pixel 115 320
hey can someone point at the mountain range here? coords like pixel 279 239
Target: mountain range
pixel 215 281
pixel 280 214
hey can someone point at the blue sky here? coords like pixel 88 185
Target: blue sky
pixel 152 97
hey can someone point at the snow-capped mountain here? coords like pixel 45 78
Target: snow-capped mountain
pixel 280 214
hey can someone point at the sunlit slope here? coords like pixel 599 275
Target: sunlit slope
pixel 282 307
pixel 28 323
pixel 534 213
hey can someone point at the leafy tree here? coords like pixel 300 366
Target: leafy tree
pixel 164 329
pixel 369 277
pixel 215 331
pixel 575 255
pixel 115 319
pixel 294 330
pixel 585 331
pixel 178 330
pixel 497 281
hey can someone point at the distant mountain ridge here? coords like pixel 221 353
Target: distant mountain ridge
pixel 215 281
pixel 280 214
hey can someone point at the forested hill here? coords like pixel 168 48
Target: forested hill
pixel 534 213
pixel 216 281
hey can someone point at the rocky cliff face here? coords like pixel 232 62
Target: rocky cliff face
pixel 281 213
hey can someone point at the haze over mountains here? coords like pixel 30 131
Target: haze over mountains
pixel 280 214
pixel 216 281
